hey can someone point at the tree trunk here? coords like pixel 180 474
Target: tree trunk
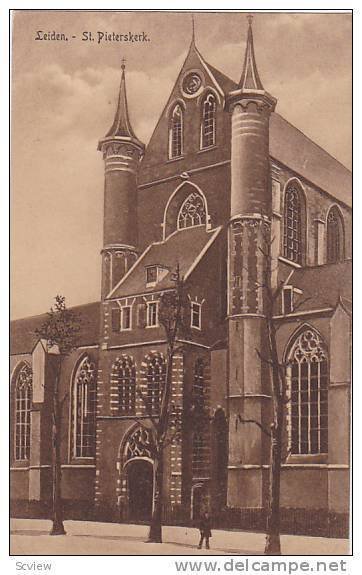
pixel 272 545
pixel 155 532
pixel 57 527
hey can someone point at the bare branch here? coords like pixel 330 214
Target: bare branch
pixel 263 429
pixel 263 358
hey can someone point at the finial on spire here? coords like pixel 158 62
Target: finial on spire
pixel 193 29
pixel 250 78
pixel 121 127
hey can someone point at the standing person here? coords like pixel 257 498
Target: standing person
pixel 205 529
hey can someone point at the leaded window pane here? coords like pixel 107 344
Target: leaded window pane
pixel 200 455
pixel 309 395
pixel 156 373
pixel 23 400
pixel 334 239
pixel 85 391
pixel 208 122
pixel 124 376
pixel 292 226
pixel 176 132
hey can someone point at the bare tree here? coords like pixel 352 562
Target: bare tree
pixel 279 391
pixel 167 422
pixel 60 330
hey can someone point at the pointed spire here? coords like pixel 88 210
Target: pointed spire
pixel 121 127
pixel 250 79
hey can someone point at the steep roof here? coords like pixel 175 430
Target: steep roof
pixel 184 247
pixel 323 286
pixel 22 331
pixel 311 161
pixel 294 149
pixel 225 83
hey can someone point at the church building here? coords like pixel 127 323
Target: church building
pixel 221 167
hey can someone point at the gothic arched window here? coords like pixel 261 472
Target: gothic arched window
pixel 192 212
pixel 335 239
pixel 198 390
pixel 293 248
pixel 307 374
pixel 23 399
pixel 156 373
pixel 124 375
pixel 208 124
pixel 84 401
pixel 176 132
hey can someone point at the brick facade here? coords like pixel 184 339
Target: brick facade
pixel 241 183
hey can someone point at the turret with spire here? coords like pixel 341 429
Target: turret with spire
pixel 250 106
pixel 122 151
pixel 249 232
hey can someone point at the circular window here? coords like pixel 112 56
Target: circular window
pixel 192 83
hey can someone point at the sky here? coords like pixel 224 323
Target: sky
pixel 63 101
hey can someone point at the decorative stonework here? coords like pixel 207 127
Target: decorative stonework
pixel 248 239
pixel 139 444
pixel 192 212
pixel 192 84
pixel 121 149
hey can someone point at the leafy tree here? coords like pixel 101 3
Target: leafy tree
pixel 60 330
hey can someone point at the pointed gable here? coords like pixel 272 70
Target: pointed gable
pixel 195 79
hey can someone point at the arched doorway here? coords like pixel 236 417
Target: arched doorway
pixel 140 489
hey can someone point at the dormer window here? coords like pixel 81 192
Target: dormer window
pixel 151 275
pixel 155 274
pixel 288 298
pixel 196 314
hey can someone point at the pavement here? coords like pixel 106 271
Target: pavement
pixel 31 537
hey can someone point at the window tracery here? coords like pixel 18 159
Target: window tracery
pixel 192 212
pixel 139 444
pixel 293 225
pixel 85 399
pixel 23 399
pixel 308 378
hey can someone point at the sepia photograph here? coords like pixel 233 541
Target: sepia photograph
pixel 181 283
